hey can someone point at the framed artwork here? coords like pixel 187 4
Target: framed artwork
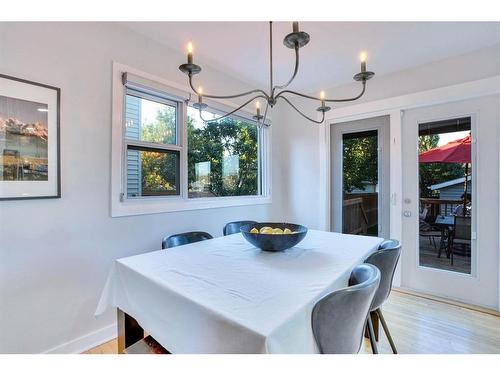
pixel 29 139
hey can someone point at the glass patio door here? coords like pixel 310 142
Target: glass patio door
pixel 449 240
pixel 360 172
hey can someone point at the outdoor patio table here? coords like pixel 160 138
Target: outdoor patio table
pixel 448 221
pixel 226 296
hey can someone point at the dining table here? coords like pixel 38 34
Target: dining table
pixel 224 295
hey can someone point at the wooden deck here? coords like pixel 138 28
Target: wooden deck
pixel 428 258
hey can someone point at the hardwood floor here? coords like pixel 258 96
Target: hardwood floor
pixel 110 347
pixel 421 325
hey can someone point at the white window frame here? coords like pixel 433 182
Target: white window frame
pixel 121 205
pixel 160 147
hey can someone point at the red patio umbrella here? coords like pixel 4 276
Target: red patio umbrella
pixel 458 151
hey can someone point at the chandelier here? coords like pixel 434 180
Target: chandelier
pixel 295 40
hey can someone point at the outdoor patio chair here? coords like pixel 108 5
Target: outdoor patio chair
pixel 428 231
pixel 461 233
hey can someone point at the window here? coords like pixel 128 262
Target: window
pixel 223 157
pixel 153 157
pixel 165 158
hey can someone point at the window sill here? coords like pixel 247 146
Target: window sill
pixel 145 206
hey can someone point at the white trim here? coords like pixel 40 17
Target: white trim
pixel 480 270
pixel 474 118
pixel 155 206
pixel 86 342
pixel 152 205
pixel 394 106
pixel 381 126
pixel 498 121
pixel 462 91
pixel 396 183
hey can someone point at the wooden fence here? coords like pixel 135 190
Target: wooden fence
pixel 360 212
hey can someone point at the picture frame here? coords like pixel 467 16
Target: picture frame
pixel 30 156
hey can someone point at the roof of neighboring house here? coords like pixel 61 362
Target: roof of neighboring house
pixel 456 181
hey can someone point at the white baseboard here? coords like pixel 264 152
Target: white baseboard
pixel 86 342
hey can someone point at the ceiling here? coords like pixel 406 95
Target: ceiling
pixel 241 49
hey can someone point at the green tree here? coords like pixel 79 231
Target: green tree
pixel 215 142
pixel 360 162
pixel 162 129
pixel 159 169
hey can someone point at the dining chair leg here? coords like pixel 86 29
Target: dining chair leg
pixel 371 335
pixel 386 330
pixel 375 324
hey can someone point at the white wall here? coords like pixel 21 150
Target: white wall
pixel 55 254
pixel 303 137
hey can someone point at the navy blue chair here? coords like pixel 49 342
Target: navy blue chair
pixel 184 238
pixel 234 226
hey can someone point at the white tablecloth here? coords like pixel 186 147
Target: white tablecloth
pixel 226 296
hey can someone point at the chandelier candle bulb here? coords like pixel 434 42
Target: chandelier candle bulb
pixel 362 57
pixel 322 97
pixel 190 52
pixel 257 106
pixel 200 94
pixel 295 27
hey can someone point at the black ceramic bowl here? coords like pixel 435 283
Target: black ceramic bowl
pixel 274 242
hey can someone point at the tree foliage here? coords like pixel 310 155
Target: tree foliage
pixel 360 162
pixel 159 169
pixel 214 142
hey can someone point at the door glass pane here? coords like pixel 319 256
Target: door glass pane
pixel 445 188
pixel 360 183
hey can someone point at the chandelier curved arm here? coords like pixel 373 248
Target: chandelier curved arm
pixel 229 113
pixel 296 69
pixel 264 118
pixel 300 113
pixel 326 100
pixel 259 91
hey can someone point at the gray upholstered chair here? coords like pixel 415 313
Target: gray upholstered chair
pixel 339 318
pixel 385 259
pixel 184 239
pixel 234 226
